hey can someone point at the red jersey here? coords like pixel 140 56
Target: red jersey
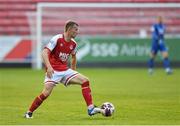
pixel 60 52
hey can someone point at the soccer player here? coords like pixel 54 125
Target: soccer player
pixel 158 31
pixel 55 56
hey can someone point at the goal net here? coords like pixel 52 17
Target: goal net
pixel 123 20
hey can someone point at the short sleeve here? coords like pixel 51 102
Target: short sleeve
pixel 52 43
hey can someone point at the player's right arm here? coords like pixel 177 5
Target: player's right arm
pixel 45 56
pixel 153 31
pixel 46 52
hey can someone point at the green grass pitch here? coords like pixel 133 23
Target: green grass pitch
pixel 138 98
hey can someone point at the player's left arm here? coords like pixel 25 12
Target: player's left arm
pixel 73 61
pixel 73 57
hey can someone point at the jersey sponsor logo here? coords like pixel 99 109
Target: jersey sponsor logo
pixel 63 56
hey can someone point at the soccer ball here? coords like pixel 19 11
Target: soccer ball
pixel 108 109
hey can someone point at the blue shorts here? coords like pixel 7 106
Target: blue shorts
pixel 158 46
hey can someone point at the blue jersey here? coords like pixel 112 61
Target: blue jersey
pixel 158 31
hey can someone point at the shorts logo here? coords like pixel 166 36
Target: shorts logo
pixel 63 56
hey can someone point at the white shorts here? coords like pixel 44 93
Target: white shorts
pixel 61 76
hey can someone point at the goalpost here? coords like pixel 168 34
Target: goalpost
pixel 100 19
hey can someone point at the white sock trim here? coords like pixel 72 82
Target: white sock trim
pixel 91 106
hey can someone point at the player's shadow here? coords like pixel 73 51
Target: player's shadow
pixel 98 118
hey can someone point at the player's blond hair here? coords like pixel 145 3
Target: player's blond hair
pixel 70 24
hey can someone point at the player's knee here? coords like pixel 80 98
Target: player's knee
pixel 84 80
pixel 46 93
pixel 152 55
pixel 165 54
pixel 48 89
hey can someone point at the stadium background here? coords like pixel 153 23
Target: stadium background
pixel 124 32
pixel 138 97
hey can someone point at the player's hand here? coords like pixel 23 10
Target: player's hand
pixel 50 72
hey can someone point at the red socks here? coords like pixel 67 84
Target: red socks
pixel 37 102
pixel 86 92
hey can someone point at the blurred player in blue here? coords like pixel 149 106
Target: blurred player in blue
pixel 158 32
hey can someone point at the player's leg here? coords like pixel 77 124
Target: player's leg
pixel 85 85
pixel 153 53
pixel 48 87
pixel 166 61
pixel 80 79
